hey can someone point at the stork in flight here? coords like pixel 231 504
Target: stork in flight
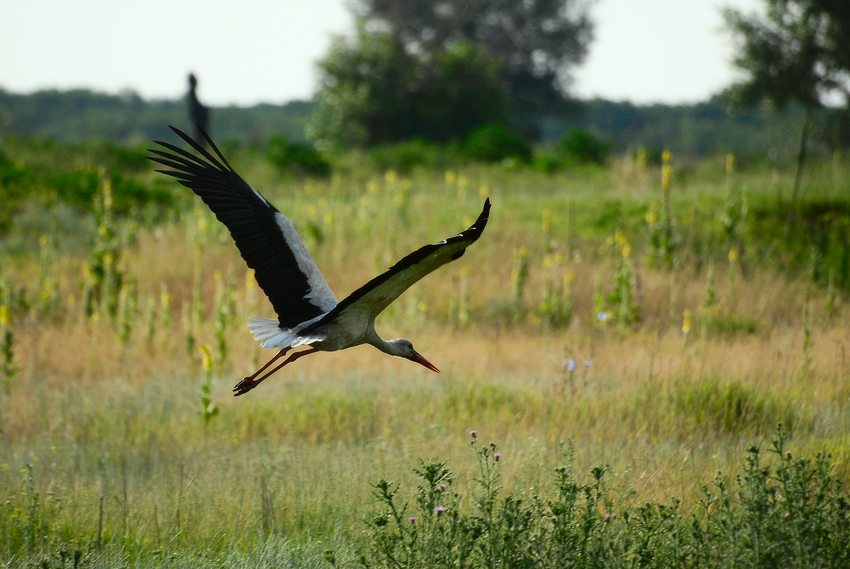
pixel 308 312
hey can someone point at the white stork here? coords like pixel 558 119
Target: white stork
pixel 308 312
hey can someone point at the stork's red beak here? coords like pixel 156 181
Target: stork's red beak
pixel 417 357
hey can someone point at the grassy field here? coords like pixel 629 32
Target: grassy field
pixel 655 325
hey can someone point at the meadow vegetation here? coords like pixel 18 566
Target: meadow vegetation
pixel 628 337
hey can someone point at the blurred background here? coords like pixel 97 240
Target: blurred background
pixel 646 74
pixel 664 280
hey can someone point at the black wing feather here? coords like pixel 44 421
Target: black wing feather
pixel 252 223
pixel 379 292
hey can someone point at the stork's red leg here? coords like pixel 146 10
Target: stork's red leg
pixel 250 383
pixel 290 359
pixel 297 355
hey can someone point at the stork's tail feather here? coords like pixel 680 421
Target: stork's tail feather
pixel 270 335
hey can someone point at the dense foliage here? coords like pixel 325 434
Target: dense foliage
pixel 375 91
pixel 83 115
pixel 796 52
pixel 538 42
pixel 686 130
pixel 787 512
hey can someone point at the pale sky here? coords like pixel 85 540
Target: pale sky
pixel 252 51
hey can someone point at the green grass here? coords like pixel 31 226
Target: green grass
pixel 110 450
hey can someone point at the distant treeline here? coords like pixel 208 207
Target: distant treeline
pixel 81 115
pixel 688 130
pixel 699 129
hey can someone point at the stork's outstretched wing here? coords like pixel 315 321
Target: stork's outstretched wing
pixel 381 291
pixel 265 237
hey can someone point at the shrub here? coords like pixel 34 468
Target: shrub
pixel 405 156
pixel 792 512
pixel 14 183
pixel 494 143
pixel 79 188
pixel 302 159
pixel 584 147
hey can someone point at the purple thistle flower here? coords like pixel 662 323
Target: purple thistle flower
pixel 607 517
pixel 441 487
pixel 472 434
pixel 439 510
pixel 497 456
pixel 412 520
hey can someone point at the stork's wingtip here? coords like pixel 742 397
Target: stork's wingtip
pixel 181 134
pixel 485 212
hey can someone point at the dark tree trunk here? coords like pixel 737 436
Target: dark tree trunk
pixel 801 159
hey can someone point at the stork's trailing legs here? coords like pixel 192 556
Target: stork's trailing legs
pixel 249 383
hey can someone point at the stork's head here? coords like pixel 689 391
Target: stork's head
pixel 404 349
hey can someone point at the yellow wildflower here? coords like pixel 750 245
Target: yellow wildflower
pixel 250 281
pixel 652 215
pixel 206 358
pixel 666 177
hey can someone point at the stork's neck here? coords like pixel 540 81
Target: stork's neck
pixel 391 347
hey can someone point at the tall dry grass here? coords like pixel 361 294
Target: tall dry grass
pixel 92 420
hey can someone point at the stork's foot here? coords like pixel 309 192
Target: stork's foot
pixel 244 386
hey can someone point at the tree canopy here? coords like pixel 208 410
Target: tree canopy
pixel 440 69
pixel 797 52
pixel 539 41
pixel 374 90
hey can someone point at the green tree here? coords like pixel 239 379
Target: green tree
pixel 539 41
pixel 799 51
pixel 374 90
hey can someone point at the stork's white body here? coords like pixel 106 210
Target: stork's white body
pixel 308 312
